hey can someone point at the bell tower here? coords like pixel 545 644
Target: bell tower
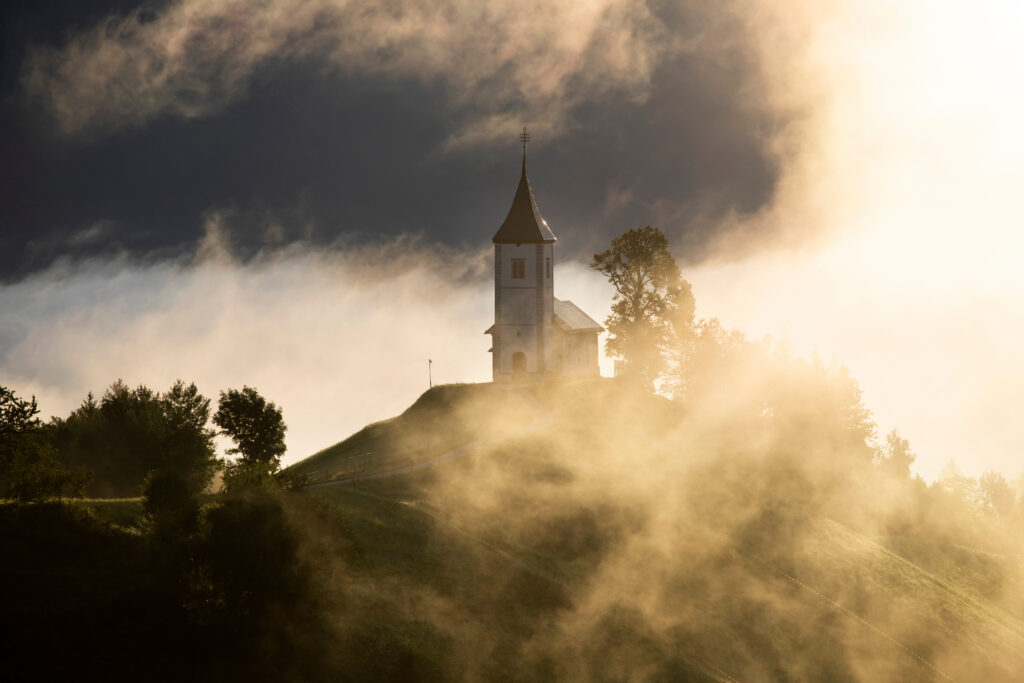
pixel 523 289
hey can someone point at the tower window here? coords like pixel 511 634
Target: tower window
pixel 518 268
pixel 547 266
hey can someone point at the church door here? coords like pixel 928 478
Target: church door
pixel 519 363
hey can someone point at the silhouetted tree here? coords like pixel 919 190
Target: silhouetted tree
pixel 712 359
pixel 895 457
pixel 653 305
pixel 188 448
pixel 130 432
pixel 29 469
pixel 963 489
pixel 764 386
pixel 257 428
pixel 996 493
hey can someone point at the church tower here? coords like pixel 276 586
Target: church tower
pixel 524 294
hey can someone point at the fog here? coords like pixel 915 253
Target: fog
pixel 743 529
pixel 748 529
pixel 892 242
pixel 908 153
pixel 337 338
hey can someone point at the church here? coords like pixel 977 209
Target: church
pixel 534 335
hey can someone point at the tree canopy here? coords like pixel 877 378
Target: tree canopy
pixel 257 428
pixel 652 305
pixel 129 432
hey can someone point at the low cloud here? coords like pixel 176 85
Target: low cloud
pixel 337 338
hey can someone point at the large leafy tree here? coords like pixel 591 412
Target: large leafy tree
pixel 257 428
pixel 653 306
pixel 188 447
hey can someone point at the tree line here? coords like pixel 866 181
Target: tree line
pixel 128 438
pixel 658 342
pixel 217 581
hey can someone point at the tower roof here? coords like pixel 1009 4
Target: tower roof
pixel 524 224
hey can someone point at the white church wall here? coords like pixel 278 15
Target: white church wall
pixel 578 354
pixel 520 322
pixel 518 306
pixel 527 252
pixel 518 339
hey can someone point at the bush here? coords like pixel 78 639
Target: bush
pixel 170 507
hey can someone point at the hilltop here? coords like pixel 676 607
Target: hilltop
pixel 566 548
pixel 443 418
pixel 574 531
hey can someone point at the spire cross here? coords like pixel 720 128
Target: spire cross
pixel 524 137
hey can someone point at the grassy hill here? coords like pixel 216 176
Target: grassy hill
pixel 589 532
pixel 845 607
pixel 555 541
pixel 443 418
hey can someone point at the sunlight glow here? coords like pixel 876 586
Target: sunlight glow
pixel 911 161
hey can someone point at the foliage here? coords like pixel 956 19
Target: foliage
pixel 765 387
pixel 961 487
pixel 169 504
pixel 255 425
pixel 251 556
pixel 130 432
pixel 653 305
pixel 72 579
pixel 188 445
pixel 240 475
pixel 996 494
pixel 17 414
pixel 895 456
pixel 252 594
pixel 29 469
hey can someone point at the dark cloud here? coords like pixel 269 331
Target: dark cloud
pixel 314 152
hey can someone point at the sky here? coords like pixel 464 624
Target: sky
pixel 300 195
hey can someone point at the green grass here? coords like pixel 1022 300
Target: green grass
pixel 443 418
pixel 124 513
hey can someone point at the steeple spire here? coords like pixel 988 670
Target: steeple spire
pixel 524 137
pixel 524 224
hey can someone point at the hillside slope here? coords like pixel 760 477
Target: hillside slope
pixel 843 608
pixel 607 535
pixel 443 418
pixel 625 562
